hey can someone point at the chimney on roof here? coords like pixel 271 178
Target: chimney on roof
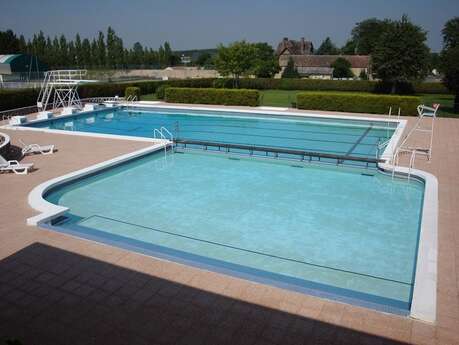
pixel 303 46
pixel 285 39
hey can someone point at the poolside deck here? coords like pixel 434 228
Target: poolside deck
pixel 57 289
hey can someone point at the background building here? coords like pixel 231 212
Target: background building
pixel 316 66
pixel 20 68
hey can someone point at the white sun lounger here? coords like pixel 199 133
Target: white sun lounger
pixel 35 148
pixel 14 166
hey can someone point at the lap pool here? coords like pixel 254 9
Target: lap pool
pixel 316 134
pixel 345 233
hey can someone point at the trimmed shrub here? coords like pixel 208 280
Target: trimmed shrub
pixel 321 85
pixel 160 91
pixel 432 88
pixel 132 91
pixel 146 87
pixel 17 98
pixel 212 96
pixel 221 83
pixel 357 103
pixel 401 87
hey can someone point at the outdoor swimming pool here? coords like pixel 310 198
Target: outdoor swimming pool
pixel 336 232
pixel 324 135
pixel 341 232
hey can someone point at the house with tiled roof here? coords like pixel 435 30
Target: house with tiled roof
pixel 316 66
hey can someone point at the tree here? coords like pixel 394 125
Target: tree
pixel 115 50
pixel 450 59
pixel 167 54
pixel 265 62
pixel 434 61
pixel 166 57
pixel 85 53
pixel 161 59
pixel 78 50
pixel 342 68
pixel 349 48
pixel 327 48
pixel 55 51
pixel 451 33
pixel 367 33
pixel 63 52
pixel 290 71
pixel 204 60
pixel 51 54
pixel 38 46
pixel 9 43
pixel 402 54
pixel 100 52
pixel 137 54
pixel 363 75
pixel 22 44
pixel 93 57
pixel 235 60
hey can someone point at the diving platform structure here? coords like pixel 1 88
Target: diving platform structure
pixel 61 86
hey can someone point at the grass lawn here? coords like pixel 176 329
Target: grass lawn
pixel 284 98
pixel 149 97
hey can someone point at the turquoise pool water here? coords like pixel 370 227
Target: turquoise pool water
pixel 348 234
pixel 336 136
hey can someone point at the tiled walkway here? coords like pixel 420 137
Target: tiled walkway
pixel 57 289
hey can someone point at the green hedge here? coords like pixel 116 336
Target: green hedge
pixel 132 91
pixel 432 88
pixel 299 84
pixel 323 85
pixel 212 96
pixel 357 103
pixel 10 99
pixel 17 98
pixel 146 87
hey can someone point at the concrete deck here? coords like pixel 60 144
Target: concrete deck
pixel 57 289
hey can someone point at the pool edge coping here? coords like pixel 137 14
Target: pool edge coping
pixel 424 300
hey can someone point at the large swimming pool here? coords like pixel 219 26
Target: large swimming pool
pixel 341 233
pixel 315 134
pixel 344 233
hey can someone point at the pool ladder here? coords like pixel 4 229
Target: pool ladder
pixel 164 134
pixel 131 98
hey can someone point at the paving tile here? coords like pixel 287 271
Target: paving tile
pixel 51 280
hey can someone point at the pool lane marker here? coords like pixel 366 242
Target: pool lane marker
pixel 359 140
pixel 274 256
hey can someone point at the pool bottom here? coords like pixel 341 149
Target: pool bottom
pixel 360 299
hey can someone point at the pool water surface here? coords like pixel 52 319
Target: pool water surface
pixel 347 233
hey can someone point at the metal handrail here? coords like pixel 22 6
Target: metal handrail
pixel 171 137
pixel 303 154
pixel 161 135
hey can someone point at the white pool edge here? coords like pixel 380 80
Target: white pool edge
pixel 424 301
pixel 424 292
pixel 50 211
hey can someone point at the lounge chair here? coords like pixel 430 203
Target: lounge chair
pixel 35 148
pixel 14 166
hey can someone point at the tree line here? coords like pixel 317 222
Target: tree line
pixel 104 51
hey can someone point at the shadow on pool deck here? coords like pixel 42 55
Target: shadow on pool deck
pixel 52 296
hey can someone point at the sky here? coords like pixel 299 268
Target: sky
pixel 195 24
